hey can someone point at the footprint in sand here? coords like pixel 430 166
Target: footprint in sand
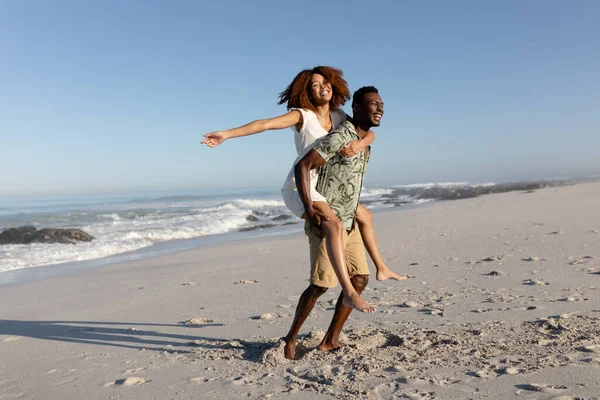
pixel 578 262
pixel 570 298
pixel 496 273
pixel 201 379
pixel 245 281
pixel 197 321
pixel 414 394
pixel 533 259
pixel 411 304
pixel 135 370
pixel 332 302
pixel 565 398
pixel 131 381
pixel 535 282
pixel 267 316
pixel 594 361
pixel 556 233
pixel 414 380
pixel 510 371
pixel 544 388
pixel 593 348
pixel 189 284
pixel 484 373
pixel 493 258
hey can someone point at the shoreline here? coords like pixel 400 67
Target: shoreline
pixel 49 271
pixel 136 227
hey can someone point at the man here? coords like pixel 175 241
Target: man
pixel 340 181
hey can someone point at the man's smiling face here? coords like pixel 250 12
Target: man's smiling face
pixel 372 109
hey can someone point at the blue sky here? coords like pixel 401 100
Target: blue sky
pixel 114 96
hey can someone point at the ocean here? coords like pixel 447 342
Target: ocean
pixel 156 223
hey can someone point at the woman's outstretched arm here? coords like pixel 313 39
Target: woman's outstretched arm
pixel 292 118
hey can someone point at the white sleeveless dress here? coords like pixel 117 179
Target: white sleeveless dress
pixel 305 140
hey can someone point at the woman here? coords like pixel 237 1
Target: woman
pixel 313 101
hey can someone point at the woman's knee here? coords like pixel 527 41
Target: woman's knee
pixel 333 226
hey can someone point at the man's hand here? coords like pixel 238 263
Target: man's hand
pixel 314 217
pixel 214 139
pixel 351 149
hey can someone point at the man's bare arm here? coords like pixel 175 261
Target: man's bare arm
pixel 312 160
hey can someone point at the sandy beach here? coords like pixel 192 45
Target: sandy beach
pixel 503 303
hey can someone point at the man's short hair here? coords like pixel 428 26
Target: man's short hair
pixel 358 96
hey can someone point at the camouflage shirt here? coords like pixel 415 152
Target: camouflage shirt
pixel 340 179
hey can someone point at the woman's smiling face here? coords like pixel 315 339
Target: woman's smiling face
pixel 320 90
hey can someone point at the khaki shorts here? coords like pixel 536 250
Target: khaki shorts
pixel 321 270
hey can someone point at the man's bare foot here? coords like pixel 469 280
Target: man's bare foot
pixel 384 273
pixel 357 302
pixel 289 351
pixel 329 346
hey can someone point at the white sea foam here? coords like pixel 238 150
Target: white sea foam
pixel 374 192
pixel 133 225
pixel 443 184
pixel 258 203
pixel 123 224
pixel 432 184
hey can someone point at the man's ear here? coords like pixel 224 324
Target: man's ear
pixel 355 108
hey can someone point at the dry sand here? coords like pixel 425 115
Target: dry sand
pixel 504 303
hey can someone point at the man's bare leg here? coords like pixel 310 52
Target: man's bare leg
pixel 365 225
pixel 331 341
pixel 334 241
pixel 306 303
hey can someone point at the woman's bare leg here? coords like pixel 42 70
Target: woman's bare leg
pixel 365 225
pixel 334 241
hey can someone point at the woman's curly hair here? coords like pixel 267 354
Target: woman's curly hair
pixel 296 95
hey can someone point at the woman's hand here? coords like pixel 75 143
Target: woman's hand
pixel 351 149
pixel 315 217
pixel 214 138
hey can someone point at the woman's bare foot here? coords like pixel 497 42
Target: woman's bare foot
pixel 357 302
pixel 329 346
pixel 384 273
pixel 289 351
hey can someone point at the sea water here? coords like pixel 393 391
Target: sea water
pixel 155 222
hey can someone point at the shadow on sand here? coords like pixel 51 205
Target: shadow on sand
pixel 118 334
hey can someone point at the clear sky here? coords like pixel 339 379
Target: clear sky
pixel 100 96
